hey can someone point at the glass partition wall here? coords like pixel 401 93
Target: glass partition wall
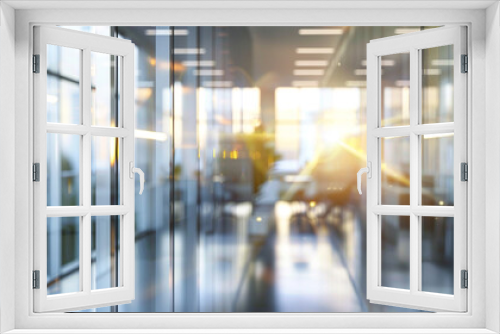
pixel 250 139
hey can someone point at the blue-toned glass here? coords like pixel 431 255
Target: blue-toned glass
pixel 63 84
pixel 437 84
pixel 106 170
pixel 395 90
pixel 437 254
pixel 395 171
pixel 395 241
pixel 437 169
pixel 63 169
pixel 63 255
pixel 106 85
pixel 105 266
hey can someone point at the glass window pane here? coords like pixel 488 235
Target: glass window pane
pixel 437 84
pixel 63 255
pixel 105 73
pixel 437 169
pixel 105 171
pixel 63 169
pixel 437 254
pixel 395 92
pixel 259 190
pixel 395 170
pixel 63 84
pixel 395 252
pixel 105 252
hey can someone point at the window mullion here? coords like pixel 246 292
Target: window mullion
pixel 85 245
pixel 436 128
pixel 86 99
pixel 414 172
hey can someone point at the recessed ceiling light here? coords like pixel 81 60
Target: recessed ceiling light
pixel 189 51
pixel 442 62
pixel 432 71
pixel 304 83
pixel 314 50
pixel 166 32
pixel 208 72
pixel 354 83
pixel 201 63
pixel 218 84
pixel 312 63
pixel 308 72
pixel 384 62
pixel 388 62
pixel 320 31
pixel 400 31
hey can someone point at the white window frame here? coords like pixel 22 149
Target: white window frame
pixel 413 44
pixel 85 298
pixel 475 320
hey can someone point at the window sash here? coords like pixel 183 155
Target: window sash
pixel 414 298
pixel 86 297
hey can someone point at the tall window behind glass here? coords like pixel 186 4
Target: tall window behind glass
pixel 154 123
pixel 250 138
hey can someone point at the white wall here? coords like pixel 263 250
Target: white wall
pixel 492 164
pixel 7 160
pixel 278 17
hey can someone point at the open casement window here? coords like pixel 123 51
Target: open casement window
pixel 416 144
pixel 83 168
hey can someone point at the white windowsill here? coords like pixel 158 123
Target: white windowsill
pixel 250 331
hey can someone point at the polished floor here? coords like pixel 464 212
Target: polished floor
pixel 307 265
pixel 303 264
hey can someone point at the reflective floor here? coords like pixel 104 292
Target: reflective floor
pixel 300 268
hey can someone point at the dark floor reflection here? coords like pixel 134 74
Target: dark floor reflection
pixel 302 268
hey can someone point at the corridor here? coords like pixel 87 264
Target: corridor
pixel 301 269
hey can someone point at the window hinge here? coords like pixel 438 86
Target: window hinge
pixel 36 279
pixel 464 171
pixel 465 64
pixel 36 63
pixel 465 279
pixel 36 172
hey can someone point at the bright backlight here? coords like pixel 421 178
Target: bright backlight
pixel 314 50
pixel 320 31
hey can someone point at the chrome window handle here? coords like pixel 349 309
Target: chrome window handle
pixel 368 171
pixel 134 170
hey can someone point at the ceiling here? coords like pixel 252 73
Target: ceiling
pixel 272 55
pixel 266 57
pixel 241 4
